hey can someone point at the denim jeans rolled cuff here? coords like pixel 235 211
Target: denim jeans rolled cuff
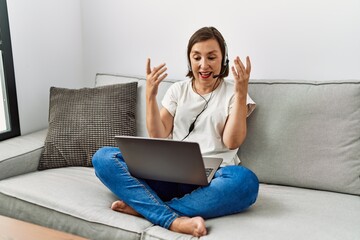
pixel 111 169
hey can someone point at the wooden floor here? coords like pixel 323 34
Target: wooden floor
pixel 19 230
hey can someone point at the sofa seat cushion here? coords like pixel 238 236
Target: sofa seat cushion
pixel 73 200
pixel 74 192
pixel 283 213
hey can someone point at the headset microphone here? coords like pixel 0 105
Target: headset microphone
pixel 223 72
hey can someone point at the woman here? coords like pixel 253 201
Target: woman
pixel 206 109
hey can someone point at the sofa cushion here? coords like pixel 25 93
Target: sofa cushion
pixel 283 213
pixel 305 134
pixel 83 120
pixel 68 199
pixel 41 198
pixel 21 154
pixel 106 79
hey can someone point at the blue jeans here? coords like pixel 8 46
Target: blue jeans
pixel 232 190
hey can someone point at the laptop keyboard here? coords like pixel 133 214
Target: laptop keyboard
pixel 208 171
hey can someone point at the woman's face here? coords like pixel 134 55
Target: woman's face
pixel 206 59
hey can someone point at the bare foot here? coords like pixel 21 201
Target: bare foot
pixel 194 226
pixel 121 206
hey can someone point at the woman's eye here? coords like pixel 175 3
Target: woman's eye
pixel 197 58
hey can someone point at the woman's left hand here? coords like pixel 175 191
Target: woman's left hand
pixel 241 75
pixel 235 127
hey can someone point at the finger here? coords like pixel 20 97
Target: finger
pixel 241 64
pixel 148 68
pixel 156 69
pixel 159 73
pixel 238 68
pixel 248 65
pixel 162 77
pixel 234 72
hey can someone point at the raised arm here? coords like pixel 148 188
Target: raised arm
pixel 158 122
pixel 235 128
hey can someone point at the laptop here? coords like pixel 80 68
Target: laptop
pixel 167 160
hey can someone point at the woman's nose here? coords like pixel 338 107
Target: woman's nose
pixel 203 62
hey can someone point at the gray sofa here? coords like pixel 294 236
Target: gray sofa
pixel 303 142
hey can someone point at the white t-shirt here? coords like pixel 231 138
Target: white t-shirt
pixel 184 104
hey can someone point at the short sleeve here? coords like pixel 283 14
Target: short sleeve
pixel 170 99
pixel 251 105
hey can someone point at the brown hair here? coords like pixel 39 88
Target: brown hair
pixel 204 34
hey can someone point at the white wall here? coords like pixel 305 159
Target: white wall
pixel 66 42
pixel 298 39
pixel 47 51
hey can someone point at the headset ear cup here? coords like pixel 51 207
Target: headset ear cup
pixel 226 57
pixel 226 61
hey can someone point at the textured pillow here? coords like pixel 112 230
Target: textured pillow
pixel 305 134
pixel 83 120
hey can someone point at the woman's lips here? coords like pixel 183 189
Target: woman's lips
pixel 205 75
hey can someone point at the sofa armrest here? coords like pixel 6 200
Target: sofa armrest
pixel 21 154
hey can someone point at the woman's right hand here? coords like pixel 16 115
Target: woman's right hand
pixel 153 78
pixel 158 122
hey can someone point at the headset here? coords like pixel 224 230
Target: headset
pixel 225 63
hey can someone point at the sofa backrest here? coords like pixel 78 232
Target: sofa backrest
pixel 303 134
